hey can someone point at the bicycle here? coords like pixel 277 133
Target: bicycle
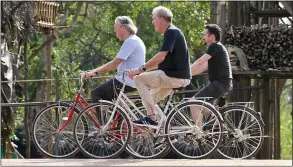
pixel 153 137
pixel 122 104
pixel 53 127
pixel 245 130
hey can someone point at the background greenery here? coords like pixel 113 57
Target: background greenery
pixel 93 43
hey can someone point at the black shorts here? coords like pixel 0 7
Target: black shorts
pixel 215 89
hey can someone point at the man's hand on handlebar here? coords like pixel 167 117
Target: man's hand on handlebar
pixel 133 73
pixel 88 74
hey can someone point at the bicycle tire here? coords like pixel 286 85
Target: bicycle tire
pixel 260 124
pixel 128 131
pixel 218 119
pixel 35 125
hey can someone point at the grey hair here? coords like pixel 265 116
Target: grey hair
pixel 163 12
pixel 127 22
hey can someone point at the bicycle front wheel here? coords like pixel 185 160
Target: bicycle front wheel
pixel 100 142
pixel 48 140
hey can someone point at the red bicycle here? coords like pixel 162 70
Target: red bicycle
pixel 54 125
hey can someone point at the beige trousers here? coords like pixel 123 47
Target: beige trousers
pixel 155 86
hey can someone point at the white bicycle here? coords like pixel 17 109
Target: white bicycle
pixel 176 128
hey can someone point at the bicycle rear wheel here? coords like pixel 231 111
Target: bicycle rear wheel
pixel 143 143
pixel 98 142
pixel 194 134
pixel 245 133
pixel 45 135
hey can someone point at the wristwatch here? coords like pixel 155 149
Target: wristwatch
pixel 142 68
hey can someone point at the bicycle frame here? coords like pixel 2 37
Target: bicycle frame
pixel 81 102
pixel 124 103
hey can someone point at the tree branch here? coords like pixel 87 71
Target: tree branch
pixel 58 34
pixel 85 15
pixel 95 49
pixel 64 17
pixel 74 20
pixel 16 7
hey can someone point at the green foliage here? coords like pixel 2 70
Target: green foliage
pixel 92 44
pixel 286 123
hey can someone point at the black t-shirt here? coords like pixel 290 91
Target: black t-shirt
pixel 219 65
pixel 176 63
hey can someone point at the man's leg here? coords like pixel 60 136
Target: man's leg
pixel 214 90
pixel 197 111
pixel 103 92
pixel 108 91
pixel 152 80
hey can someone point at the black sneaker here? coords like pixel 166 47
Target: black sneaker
pixel 146 121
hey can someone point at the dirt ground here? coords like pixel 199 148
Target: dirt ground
pixel 140 162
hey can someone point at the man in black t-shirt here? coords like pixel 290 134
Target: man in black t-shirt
pixel 216 61
pixel 172 66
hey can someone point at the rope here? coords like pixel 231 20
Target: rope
pixel 43 80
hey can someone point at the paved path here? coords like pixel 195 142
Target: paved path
pixel 140 162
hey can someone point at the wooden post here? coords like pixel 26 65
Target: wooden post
pixel 271 114
pixel 232 13
pixel 48 67
pixel 247 17
pixel 213 12
pixel 240 13
pixel 277 144
pixel 259 107
pixel 265 150
pixel 255 19
pixel 222 22
pixel 26 109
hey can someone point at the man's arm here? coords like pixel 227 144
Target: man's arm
pixel 156 60
pixel 203 68
pixel 109 66
pixel 167 46
pixel 200 65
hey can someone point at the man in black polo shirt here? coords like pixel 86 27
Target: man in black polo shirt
pixel 171 63
pixel 216 61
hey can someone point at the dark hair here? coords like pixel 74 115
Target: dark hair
pixel 214 29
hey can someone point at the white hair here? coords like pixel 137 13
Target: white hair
pixel 127 22
pixel 164 12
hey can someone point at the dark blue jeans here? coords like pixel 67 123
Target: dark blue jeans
pixel 215 89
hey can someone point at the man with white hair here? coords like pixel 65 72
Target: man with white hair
pixel 171 64
pixel 131 55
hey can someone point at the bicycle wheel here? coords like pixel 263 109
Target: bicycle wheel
pixel 45 135
pixel 144 143
pixel 194 129
pixel 245 132
pixel 99 142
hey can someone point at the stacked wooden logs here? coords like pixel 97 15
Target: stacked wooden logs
pixel 265 48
